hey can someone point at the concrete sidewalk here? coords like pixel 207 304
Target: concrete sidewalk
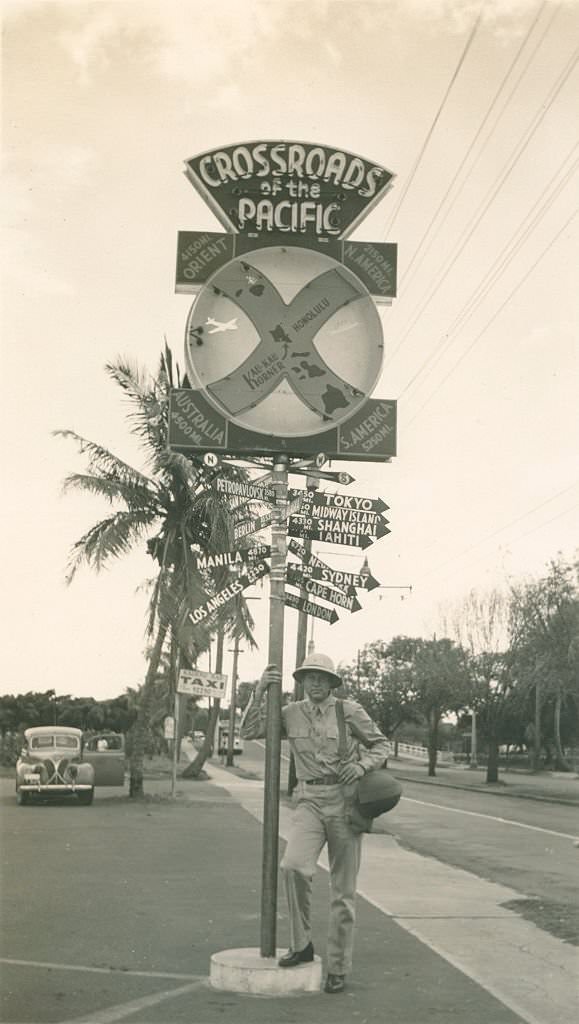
pixel 434 943
pixel 554 787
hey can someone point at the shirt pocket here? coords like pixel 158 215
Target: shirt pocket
pixel 300 737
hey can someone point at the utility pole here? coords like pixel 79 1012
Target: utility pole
pixel 176 664
pixel 216 701
pixel 537 736
pixel 273 721
pixel 232 705
pixel 301 642
pixel 473 741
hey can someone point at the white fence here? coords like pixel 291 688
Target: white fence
pixel 418 753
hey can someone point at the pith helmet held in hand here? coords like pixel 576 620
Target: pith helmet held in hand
pixel 377 793
pixel 319 663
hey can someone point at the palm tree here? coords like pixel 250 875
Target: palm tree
pixel 172 509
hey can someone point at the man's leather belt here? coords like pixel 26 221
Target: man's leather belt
pixel 322 780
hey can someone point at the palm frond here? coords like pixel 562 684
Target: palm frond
pixel 134 494
pixel 243 622
pixel 147 396
pixel 174 465
pixel 104 462
pixel 109 538
pixel 136 382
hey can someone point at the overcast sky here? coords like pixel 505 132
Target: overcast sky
pixel 473 107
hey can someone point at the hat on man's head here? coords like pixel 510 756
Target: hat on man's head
pixel 319 663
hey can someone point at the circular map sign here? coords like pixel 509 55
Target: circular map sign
pixel 284 341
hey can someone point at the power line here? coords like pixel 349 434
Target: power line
pixel 473 143
pixel 533 529
pixel 507 526
pixel 505 257
pixel 492 194
pixel 494 316
pixel 519 237
pixel 437 116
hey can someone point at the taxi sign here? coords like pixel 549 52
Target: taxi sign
pixel 201 684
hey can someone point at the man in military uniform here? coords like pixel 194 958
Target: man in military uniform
pixel 324 813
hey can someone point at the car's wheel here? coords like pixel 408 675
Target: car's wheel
pixel 86 797
pixel 22 797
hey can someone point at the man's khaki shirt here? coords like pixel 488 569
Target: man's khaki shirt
pixel 312 731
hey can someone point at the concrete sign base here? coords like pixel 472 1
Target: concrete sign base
pixel 245 970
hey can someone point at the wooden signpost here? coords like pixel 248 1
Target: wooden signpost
pixel 264 382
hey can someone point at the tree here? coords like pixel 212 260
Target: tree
pixel 172 509
pixel 480 625
pixel 407 679
pixel 441 684
pixel 381 679
pixel 244 692
pixel 544 631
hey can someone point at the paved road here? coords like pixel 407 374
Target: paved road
pixel 111 913
pixel 525 844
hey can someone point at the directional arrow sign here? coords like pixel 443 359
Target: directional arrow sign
pixel 243 529
pixel 249 526
pixel 249 491
pixel 363 581
pixel 235 587
pixel 301 604
pixel 297 578
pixel 355 534
pixel 347 520
pixel 312 561
pixel 324 507
pixel 241 557
pixel 347 501
pixel 323 474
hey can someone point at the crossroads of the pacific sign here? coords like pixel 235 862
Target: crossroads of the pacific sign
pixel 200 254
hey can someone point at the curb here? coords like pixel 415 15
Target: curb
pixel 489 792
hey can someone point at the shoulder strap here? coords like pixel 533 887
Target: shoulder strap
pixel 342 740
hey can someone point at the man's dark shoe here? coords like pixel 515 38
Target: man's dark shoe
pixel 335 983
pixel 294 957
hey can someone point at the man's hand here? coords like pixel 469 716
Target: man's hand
pixel 350 773
pixel 271 676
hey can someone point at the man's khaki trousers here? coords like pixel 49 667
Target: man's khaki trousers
pixel 319 818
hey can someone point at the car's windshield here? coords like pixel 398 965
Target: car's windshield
pixel 57 739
